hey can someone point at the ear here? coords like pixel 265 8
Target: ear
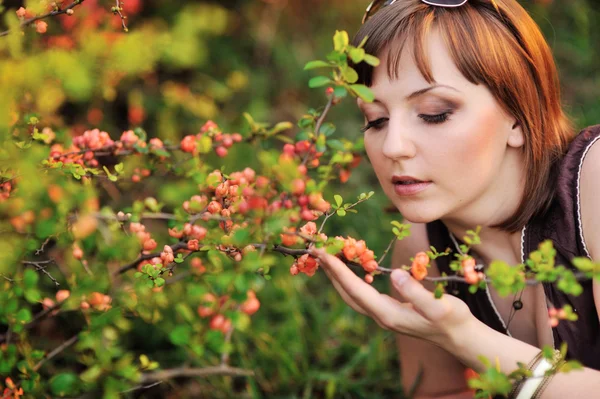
pixel 516 138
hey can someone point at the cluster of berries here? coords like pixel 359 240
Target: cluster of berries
pixel 357 251
pixel 40 26
pixel 555 315
pixel 61 295
pixel 82 149
pixel 301 150
pixel 97 301
pixel 210 129
pixel 214 308
pixel 290 238
pixel 353 250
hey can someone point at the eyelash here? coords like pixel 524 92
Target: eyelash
pixel 429 119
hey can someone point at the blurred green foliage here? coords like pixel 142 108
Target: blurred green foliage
pixel 181 63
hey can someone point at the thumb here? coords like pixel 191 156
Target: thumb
pixel 422 299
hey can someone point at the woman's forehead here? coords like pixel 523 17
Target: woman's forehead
pixel 404 70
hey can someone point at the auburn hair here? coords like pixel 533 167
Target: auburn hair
pixel 495 43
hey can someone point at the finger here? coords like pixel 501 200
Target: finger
pixel 423 300
pixel 363 294
pixel 344 294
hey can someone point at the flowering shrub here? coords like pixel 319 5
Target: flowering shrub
pixel 191 249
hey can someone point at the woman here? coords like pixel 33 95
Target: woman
pixel 467 130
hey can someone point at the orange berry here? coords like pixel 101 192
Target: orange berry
pixel 62 295
pixel 367 256
pixel 418 271
pixel 421 258
pixel 370 266
pixel 349 252
pixel 204 311
pixel 251 306
pixel 369 278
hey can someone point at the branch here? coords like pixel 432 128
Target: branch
pixel 319 123
pixel 133 265
pixel 50 14
pixel 39 266
pixel 117 11
pixel 191 372
pixel 56 351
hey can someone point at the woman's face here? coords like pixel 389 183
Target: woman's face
pixel 451 133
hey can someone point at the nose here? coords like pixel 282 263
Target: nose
pixel 398 142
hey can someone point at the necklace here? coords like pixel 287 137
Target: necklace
pixel 517 303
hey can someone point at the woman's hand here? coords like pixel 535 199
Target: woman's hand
pixel 422 316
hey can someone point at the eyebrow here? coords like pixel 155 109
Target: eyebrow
pixel 418 93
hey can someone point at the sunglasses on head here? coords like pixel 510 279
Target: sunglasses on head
pixel 379 4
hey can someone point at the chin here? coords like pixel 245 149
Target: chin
pixel 417 212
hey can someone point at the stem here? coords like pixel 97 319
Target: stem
pixel 56 351
pixel 50 14
pixel 387 250
pixel 40 267
pixel 192 372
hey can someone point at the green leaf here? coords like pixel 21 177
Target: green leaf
pixel 349 74
pixel 338 200
pixel 327 129
pixel 363 92
pixel 64 384
pixel 371 60
pixel 317 64
pixel 357 55
pixel 341 212
pixel 180 335
pixel 119 168
pixel 340 92
pixel 340 40
pixel 159 282
pixel 336 145
pixel 23 316
pixel 30 279
pixel 363 42
pixel 319 81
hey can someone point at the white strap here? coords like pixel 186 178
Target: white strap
pixel 535 380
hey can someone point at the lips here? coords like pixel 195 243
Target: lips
pixel 407 180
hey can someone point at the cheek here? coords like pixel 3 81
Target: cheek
pixel 478 152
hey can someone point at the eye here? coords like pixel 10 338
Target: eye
pixel 376 124
pixel 435 119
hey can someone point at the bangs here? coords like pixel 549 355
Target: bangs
pixel 389 31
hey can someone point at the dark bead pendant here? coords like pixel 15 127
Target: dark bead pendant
pixel 518 305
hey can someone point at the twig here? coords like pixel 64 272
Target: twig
pixel 117 10
pixel 139 387
pixel 56 351
pixel 195 372
pixel 50 14
pixel 387 250
pixel 319 124
pixel 225 354
pixel 132 265
pixel 38 266
pixel 41 249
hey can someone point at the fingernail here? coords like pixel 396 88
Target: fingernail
pixel 400 277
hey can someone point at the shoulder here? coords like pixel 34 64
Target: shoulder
pixel 589 186
pixel 589 192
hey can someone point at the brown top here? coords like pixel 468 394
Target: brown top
pixel 562 225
